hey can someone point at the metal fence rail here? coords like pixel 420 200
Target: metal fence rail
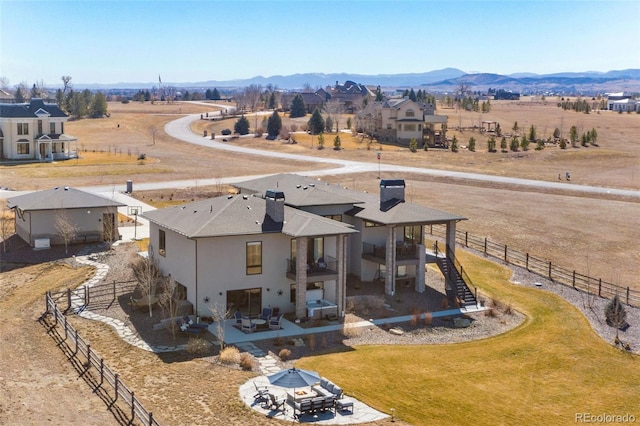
pixel 108 379
pixel 542 267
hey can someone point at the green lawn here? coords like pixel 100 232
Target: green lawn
pixel 545 371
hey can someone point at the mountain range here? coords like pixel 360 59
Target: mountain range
pixel 444 80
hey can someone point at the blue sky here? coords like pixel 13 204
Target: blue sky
pixel 190 41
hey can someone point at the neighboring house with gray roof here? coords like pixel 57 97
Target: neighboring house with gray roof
pixel 38 216
pixel 400 120
pixel 35 131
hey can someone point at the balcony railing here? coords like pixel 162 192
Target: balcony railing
pixel 329 266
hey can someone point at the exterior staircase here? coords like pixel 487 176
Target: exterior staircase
pixel 461 289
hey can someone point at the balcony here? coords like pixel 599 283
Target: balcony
pixel 316 271
pixel 405 252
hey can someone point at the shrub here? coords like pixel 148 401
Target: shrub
pixel 490 313
pixel 428 318
pixel 284 354
pixel 198 346
pixel 247 361
pixel 226 132
pixel 229 355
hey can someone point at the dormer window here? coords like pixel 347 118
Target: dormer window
pixel 42 113
pixel 410 113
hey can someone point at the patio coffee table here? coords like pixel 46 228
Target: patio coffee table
pixel 260 323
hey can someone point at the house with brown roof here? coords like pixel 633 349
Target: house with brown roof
pixel 42 217
pixel 35 131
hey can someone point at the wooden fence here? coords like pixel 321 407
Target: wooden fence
pixel 542 267
pixel 108 380
pixel 105 292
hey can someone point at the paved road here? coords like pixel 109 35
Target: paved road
pixel 180 129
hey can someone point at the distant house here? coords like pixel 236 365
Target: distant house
pixel 311 100
pixel 6 97
pixel 350 95
pixel 622 102
pixel 400 120
pixel 289 241
pixel 35 131
pixel 38 216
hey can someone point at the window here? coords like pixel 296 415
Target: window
pixel 369 224
pixel 336 217
pixel 162 243
pixel 248 301
pixel 388 126
pixel 399 127
pixel 413 234
pixel 410 113
pixel 23 128
pixel 39 127
pixel 61 127
pixel 52 128
pixel 409 127
pixel 23 147
pixel 254 257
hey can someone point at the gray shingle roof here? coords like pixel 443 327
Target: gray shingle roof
pixel 366 206
pixel 28 110
pixel 241 215
pixel 60 198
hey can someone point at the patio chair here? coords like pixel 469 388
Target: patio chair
pixel 261 393
pixel 322 265
pixel 247 325
pixel 301 408
pixel 266 313
pixel 274 322
pixel 184 327
pixel 273 403
pixel 192 324
pixel 238 316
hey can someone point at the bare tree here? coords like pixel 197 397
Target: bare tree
pixel 147 273
pixel 169 298
pixel 66 83
pixel 219 315
pixel 66 228
pixel 4 83
pixel 252 95
pixel 334 108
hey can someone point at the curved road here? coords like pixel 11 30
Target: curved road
pixel 180 129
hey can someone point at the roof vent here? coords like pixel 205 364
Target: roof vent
pixel 313 185
pixel 66 188
pixel 229 197
pixel 305 187
pixel 244 197
pixel 298 186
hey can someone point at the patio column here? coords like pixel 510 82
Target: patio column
pixel 341 283
pixel 420 275
pixel 301 277
pixel 451 250
pixel 390 261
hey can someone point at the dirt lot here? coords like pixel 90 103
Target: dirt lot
pixel 598 236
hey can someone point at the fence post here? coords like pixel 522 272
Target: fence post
pixel 133 407
pixel 527 262
pixel 115 386
pixel 505 254
pixel 88 357
pixel 68 299
pixel 76 351
pixel 485 246
pixel 627 295
pixel 66 332
pixel 435 247
pixel 150 418
pixel 114 290
pixel 86 296
pixel 101 371
pixel 46 302
pixel 55 315
pixel 466 238
pixel 550 271
pixel 600 287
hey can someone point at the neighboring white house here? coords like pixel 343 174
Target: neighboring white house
pixel 43 217
pixel 287 240
pixel 623 105
pixel 34 131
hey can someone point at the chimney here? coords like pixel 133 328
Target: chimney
pixel 391 193
pixel 275 205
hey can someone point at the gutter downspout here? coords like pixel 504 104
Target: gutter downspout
pixel 196 265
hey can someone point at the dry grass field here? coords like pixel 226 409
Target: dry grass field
pixel 594 235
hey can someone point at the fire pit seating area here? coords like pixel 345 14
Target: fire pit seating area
pixel 327 397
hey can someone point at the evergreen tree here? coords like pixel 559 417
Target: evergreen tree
pixel 413 145
pixel 514 144
pixel 274 125
pixel 573 136
pixel 615 314
pixel 412 95
pixel 59 98
pixel 215 95
pixel 336 143
pixel 98 105
pixel 503 144
pixel 19 96
pixel 472 144
pixel 316 122
pixel 298 108
pixel 207 94
pixel 321 141
pixel 556 133
pixel 454 144
pixel 186 96
pixel 379 95
pixel 328 124
pixel 241 126
pixel 515 127
pixel 491 144
pixel 532 133
pixel 593 137
pixel 147 95
pixel 272 101
pixel 524 143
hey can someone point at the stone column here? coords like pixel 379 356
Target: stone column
pixel 451 250
pixel 301 277
pixel 420 275
pixel 341 282
pixel 390 261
